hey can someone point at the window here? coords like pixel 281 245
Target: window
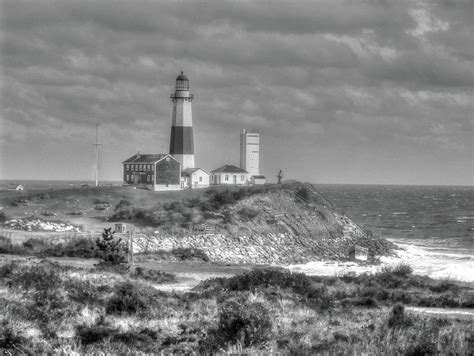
pixel 147 178
pixel 152 167
pixel 242 177
pixel 127 178
pixel 127 167
pixel 134 167
pixel 226 177
pixel 200 179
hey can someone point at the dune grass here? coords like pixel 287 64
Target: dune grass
pixel 46 307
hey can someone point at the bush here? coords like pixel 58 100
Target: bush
pixel 10 340
pixel 397 317
pixel 112 251
pixel 401 269
pixel 82 291
pixel 127 299
pixel 153 275
pixel 101 202
pixel 247 213
pixel 247 323
pixel 40 277
pixel 3 217
pixel 122 204
pixel 268 279
pixel 7 247
pixel 189 254
pixel 99 332
pixel 141 339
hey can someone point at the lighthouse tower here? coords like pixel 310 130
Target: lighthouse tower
pixel 181 143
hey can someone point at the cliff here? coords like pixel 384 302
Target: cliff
pixel 291 223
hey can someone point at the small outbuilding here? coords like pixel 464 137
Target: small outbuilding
pixel 229 175
pixel 120 228
pixel 193 178
pixel 20 187
pixel 358 253
pixel 258 180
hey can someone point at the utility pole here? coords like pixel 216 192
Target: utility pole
pixel 97 145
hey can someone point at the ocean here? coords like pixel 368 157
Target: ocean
pixel 434 225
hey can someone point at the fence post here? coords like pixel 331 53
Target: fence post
pixel 131 247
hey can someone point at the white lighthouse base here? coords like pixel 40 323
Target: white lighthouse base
pixel 187 161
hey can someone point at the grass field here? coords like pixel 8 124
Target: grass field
pixel 48 307
pixel 78 206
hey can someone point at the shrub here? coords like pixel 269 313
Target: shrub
pixel 368 302
pixel 247 213
pixel 189 254
pixel 247 323
pixel 268 279
pixel 143 338
pixel 3 217
pixel 443 286
pixel 153 275
pixel 397 317
pixel 82 291
pixel 7 247
pixel 10 340
pixel 100 331
pixel 101 202
pixel 126 299
pixel 122 204
pixel 401 269
pixel 112 251
pixel 40 277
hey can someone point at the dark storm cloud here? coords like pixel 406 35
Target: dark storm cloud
pixel 368 79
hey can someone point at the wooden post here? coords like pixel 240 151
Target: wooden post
pixel 131 247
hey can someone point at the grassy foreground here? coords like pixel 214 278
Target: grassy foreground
pixel 46 307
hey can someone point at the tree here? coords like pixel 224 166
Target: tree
pixel 112 250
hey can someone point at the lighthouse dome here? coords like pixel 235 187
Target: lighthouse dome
pixel 182 82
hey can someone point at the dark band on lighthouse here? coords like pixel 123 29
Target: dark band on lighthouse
pixel 182 141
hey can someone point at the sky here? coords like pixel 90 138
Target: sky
pixel 371 92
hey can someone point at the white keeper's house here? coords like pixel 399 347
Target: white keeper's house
pixel 194 178
pixel 229 175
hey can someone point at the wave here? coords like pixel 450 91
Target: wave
pixel 436 265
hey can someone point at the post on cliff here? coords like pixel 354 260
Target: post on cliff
pixel 280 176
pixel 131 246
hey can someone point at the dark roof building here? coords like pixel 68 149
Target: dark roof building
pixel 145 158
pixel 152 171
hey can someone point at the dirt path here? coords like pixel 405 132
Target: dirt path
pixel 464 314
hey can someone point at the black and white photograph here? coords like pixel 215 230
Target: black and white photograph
pixel 254 177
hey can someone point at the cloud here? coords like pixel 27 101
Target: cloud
pixel 370 80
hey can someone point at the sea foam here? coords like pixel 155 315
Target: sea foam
pixel 424 262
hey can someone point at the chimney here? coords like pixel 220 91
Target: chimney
pixel 138 154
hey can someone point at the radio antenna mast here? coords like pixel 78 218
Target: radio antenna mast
pixel 97 145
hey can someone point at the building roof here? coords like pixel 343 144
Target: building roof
pixel 259 177
pixel 182 76
pixel 146 158
pixel 228 168
pixel 188 171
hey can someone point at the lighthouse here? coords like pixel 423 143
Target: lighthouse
pixel 181 142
